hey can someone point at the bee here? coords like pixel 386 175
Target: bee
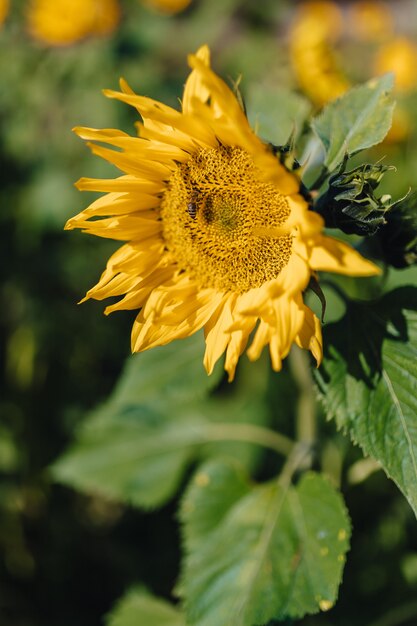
pixel 200 203
pixel 192 209
pixel 195 203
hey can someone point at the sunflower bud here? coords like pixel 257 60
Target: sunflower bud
pixel 398 237
pixel 350 202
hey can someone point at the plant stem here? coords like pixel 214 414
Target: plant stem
pixel 296 460
pixel 251 433
pixel 306 426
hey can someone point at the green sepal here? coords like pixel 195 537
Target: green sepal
pixel 350 202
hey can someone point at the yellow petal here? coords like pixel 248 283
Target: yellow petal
pixel 215 331
pixel 237 344
pixel 147 334
pixel 332 255
pixel 123 184
pixel 310 336
pixel 194 86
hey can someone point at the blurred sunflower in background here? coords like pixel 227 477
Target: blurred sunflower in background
pixel 65 22
pixel 218 233
pixel 334 46
pixel 315 29
pixel 4 9
pixel 61 23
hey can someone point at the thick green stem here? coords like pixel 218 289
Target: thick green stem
pixel 296 460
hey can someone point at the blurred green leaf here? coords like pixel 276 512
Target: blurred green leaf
pixel 138 608
pixel 368 382
pixel 276 113
pixel 164 376
pixel 136 447
pixel 357 120
pixel 260 553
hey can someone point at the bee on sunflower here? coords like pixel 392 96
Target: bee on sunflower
pixel 218 235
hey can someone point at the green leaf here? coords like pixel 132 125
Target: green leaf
pixel 260 553
pixel 216 487
pixel 138 608
pixel 136 447
pixel 137 457
pixel 368 382
pixel 357 120
pixel 164 376
pixel 276 112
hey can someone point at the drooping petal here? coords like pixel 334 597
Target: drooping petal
pixel 310 336
pixel 147 334
pixel 216 332
pixel 332 255
pixel 236 346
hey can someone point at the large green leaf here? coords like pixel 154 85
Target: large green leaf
pixel 357 120
pixel 139 608
pixel 260 553
pixel 163 376
pixel 276 112
pixel 368 382
pixel 136 447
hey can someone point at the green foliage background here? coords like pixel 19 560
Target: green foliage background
pixel 67 556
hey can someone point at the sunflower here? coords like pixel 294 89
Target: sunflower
pixel 64 22
pixel 372 20
pixel 316 27
pixel 218 235
pixel 4 9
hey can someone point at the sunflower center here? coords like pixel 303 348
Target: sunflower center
pixel 222 224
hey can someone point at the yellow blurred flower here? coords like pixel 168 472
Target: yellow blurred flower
pixel 218 235
pixel 4 9
pixel 399 56
pixel 371 20
pixel 314 61
pixel 402 126
pixel 63 22
pixel 324 19
pixel 168 6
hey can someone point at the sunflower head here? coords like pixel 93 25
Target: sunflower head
pixel 217 234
